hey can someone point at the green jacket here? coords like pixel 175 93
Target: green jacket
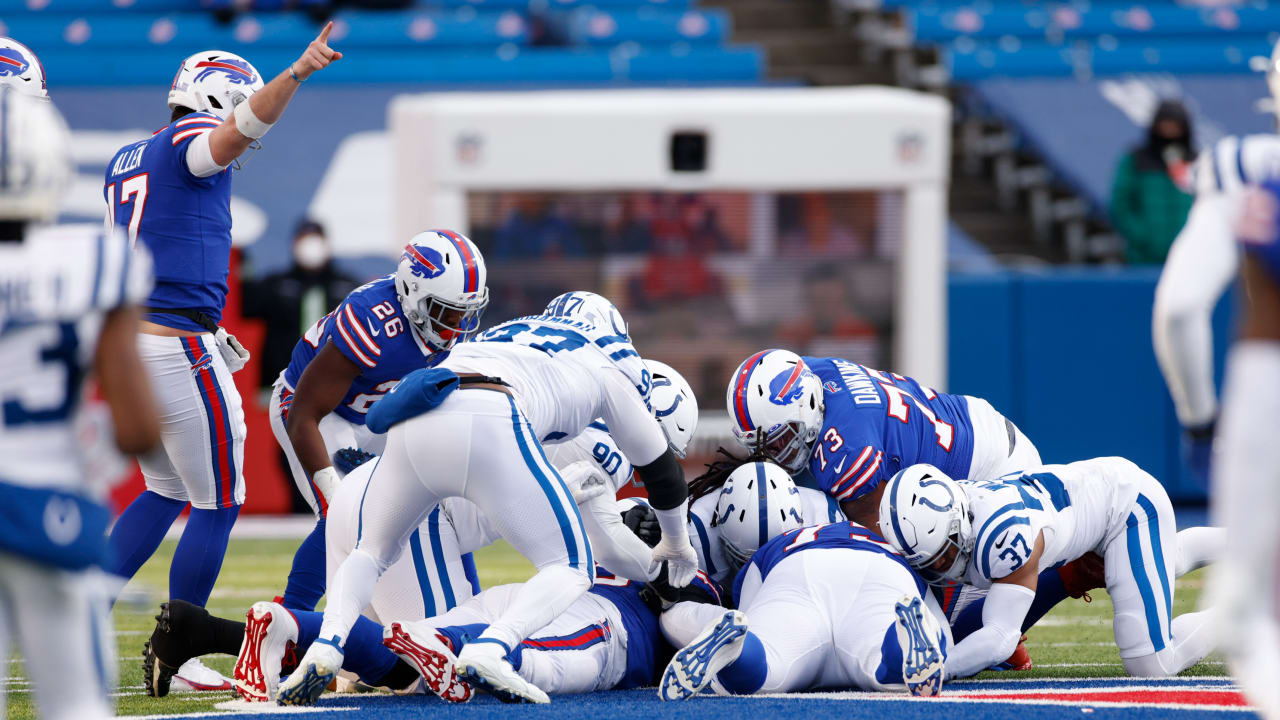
pixel 1148 209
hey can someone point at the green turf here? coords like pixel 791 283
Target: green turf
pixel 1073 641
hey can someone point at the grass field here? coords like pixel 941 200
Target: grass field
pixel 1073 641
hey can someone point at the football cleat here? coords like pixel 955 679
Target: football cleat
pixel 195 676
pixel 429 653
pixel 695 665
pixel 484 665
pixel 317 669
pixel 269 634
pixel 1019 660
pixel 156 675
pixel 1085 573
pixel 923 661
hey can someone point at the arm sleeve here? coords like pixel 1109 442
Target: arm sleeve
pixel 1004 610
pixel 1200 266
pixel 613 544
pixel 200 158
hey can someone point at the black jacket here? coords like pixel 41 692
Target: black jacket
pixel 280 300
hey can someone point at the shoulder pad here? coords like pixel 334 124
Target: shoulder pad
pixel 1004 542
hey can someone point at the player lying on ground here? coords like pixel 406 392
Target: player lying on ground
pixel 1246 491
pixel 854 427
pixel 172 193
pixel 1202 262
pixel 470 428
pixel 353 356
pixel 70 308
pixel 1001 534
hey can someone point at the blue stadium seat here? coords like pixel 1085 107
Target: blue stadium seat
pixel 10 8
pixel 969 60
pixel 593 26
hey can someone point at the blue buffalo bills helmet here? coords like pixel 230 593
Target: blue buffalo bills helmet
pixel 758 502
pixel 674 405
pixel 214 81
pixel 775 405
pixel 923 514
pixel 21 70
pixel 596 310
pixel 441 282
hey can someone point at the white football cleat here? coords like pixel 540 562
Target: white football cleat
pixel 269 630
pixel 695 665
pixel 315 671
pixel 923 661
pixel 426 650
pixel 195 676
pixel 484 665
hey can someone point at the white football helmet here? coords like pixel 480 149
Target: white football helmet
pixel 757 503
pixel 674 405
pixel 35 157
pixel 775 402
pixel 214 81
pixel 441 282
pixel 1273 79
pixel 590 308
pixel 21 69
pixel 923 514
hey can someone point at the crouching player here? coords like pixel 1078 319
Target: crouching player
pixel 1001 534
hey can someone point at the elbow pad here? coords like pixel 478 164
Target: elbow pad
pixel 664 481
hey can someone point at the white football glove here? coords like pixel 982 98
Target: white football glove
pixel 585 480
pixel 326 480
pixel 681 559
pixel 233 353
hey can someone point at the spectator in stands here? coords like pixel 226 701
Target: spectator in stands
pixel 1148 203
pixel 536 229
pixel 291 301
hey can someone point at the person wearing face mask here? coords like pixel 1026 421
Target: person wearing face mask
pixel 291 301
pixel 1149 200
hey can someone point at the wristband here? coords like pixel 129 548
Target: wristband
pixel 294 75
pixel 248 124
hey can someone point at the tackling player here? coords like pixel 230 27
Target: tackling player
pixel 172 192
pixel 1001 534
pixel 854 427
pixel 1246 492
pixel 68 307
pixel 1202 262
pixel 21 70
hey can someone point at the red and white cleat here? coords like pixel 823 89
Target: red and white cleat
pixel 269 634
pixel 429 652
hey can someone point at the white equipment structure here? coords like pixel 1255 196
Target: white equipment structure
pixel 450 148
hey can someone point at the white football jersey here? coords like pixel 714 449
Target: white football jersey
pixel 594 444
pixel 1235 162
pixel 565 374
pixel 1079 507
pixel 55 290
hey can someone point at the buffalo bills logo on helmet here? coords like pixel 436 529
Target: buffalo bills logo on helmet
pixel 237 71
pixel 424 262
pixel 12 62
pixel 786 388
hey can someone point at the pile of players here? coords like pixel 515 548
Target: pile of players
pixel 934 539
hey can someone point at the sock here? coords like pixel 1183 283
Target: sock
pixel 364 654
pixel 138 532
pixel 1050 591
pixel 198 559
pixel 400 676
pixel 309 623
pixel 306 579
pixel 747 674
pixel 469 569
pixel 890 670
pixel 459 635
pixel 1197 547
pixel 193 632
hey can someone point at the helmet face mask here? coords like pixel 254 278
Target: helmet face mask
pixel 789 445
pixel 446 324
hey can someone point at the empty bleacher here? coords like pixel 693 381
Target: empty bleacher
pixel 438 43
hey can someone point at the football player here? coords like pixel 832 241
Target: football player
pixel 21 70
pixel 471 427
pixel 1201 264
pixel 1246 490
pixel 172 193
pixel 1002 533
pixel 69 307
pixel 853 427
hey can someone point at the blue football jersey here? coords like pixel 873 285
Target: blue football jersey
pixel 184 220
pixel 841 535
pixel 647 650
pixel 1259 226
pixel 370 329
pixel 877 423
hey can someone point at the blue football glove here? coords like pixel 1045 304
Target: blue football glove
pixel 1197 451
pixel 349 458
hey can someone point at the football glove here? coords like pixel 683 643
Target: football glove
pixel 677 558
pixel 660 596
pixel 643 521
pixel 233 353
pixel 585 480
pixel 349 458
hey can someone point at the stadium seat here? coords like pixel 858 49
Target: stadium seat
pixel 593 26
